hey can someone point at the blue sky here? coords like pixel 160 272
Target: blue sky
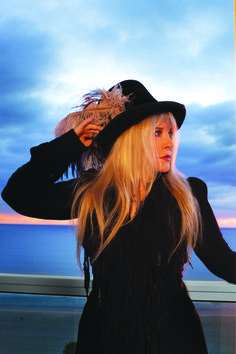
pixel 52 52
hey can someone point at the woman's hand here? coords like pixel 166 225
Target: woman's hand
pixel 87 131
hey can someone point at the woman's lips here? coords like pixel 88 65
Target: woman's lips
pixel 166 157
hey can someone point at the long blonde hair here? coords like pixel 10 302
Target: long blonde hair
pixel 130 171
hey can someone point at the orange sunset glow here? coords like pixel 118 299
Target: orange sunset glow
pixel 20 219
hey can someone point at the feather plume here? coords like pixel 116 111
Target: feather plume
pixel 102 105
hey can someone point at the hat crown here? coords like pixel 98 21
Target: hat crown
pixel 137 93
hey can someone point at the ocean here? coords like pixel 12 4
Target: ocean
pixel 51 250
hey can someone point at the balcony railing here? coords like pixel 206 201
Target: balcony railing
pixel 74 286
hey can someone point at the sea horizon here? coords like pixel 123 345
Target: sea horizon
pixel 51 250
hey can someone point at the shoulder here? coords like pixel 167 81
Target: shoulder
pixel 199 187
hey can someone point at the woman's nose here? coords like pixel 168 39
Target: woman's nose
pixel 168 143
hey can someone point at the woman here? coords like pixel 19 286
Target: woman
pixel 138 220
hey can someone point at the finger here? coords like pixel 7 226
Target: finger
pixel 86 122
pixel 81 128
pixel 93 127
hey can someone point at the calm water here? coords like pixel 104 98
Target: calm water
pixel 51 250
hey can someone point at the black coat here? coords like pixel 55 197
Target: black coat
pixel 139 303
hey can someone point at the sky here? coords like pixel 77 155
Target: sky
pixel 54 51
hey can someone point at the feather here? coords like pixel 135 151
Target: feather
pixel 102 105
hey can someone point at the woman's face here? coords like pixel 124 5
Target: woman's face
pixel 164 144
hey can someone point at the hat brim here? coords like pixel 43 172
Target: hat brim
pixel 125 120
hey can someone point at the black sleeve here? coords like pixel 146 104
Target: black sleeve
pixel 213 250
pixel 32 191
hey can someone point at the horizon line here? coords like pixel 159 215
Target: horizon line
pixel 17 219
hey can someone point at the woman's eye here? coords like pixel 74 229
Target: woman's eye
pixel 157 132
pixel 170 134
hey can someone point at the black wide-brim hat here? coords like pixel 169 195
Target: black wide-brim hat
pixel 140 106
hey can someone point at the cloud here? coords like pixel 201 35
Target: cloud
pixel 207 145
pixel 26 53
pixel 208 151
pixel 26 60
